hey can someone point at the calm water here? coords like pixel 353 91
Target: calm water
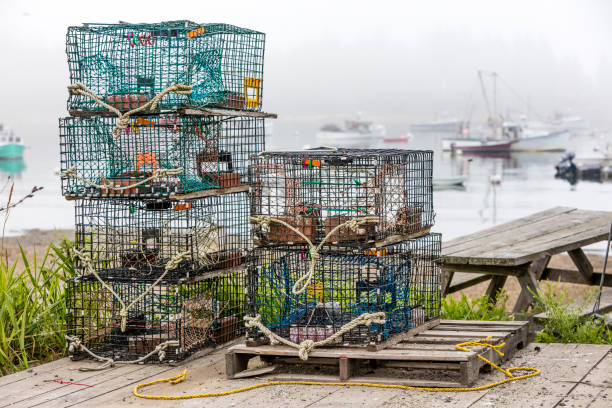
pixel 527 183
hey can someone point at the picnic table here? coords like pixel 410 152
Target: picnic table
pixel 523 248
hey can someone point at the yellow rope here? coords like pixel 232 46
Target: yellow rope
pixel 123 118
pixel 463 347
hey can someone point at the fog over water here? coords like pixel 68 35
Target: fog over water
pixel 398 62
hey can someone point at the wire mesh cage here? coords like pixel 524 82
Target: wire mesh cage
pixel 157 155
pixel 193 315
pixel 402 280
pixel 318 192
pixel 137 240
pixel 127 64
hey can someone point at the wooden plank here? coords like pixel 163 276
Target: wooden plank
pixel 517 323
pixel 542 215
pixel 512 270
pixel 595 388
pixel 582 263
pixel 210 192
pixel 397 338
pixel 226 112
pixel 521 233
pixel 530 242
pixel 30 373
pixel 370 379
pixel 573 276
pixel 394 239
pixel 254 372
pixel 464 333
pixel 386 354
pixel 570 239
pixel 447 279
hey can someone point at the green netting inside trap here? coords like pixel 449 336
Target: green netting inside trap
pixel 127 64
pixel 156 156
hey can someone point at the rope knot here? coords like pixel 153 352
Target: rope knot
pixel 306 348
pixel 70 173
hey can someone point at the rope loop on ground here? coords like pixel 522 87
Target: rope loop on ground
pixel 509 377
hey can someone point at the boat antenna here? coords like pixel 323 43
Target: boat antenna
pixel 484 92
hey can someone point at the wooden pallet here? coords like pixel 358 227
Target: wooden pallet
pixel 431 349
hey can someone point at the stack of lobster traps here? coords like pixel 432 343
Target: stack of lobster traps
pixel 343 250
pixel 163 118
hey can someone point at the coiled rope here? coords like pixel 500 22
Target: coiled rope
pixel 123 118
pixel 106 184
pixel 75 345
pixel 305 347
pixel 172 264
pixel 463 347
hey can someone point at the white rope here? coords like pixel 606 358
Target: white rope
pixel 76 345
pixel 173 263
pixel 306 346
pixel 123 118
pixel 106 184
pixel 304 281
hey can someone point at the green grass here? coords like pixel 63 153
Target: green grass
pixel 480 308
pixel 565 324
pixel 32 307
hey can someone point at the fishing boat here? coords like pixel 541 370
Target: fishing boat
pixel 480 146
pixel 11 147
pixel 354 134
pixel 405 138
pixel 454 181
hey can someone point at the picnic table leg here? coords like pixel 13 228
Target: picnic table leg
pixel 583 264
pixel 529 283
pixel 497 282
pixel 448 278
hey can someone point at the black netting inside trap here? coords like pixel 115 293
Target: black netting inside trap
pixel 401 280
pixel 196 314
pixel 316 191
pixel 134 240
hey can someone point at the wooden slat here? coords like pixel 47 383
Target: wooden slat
pixel 227 112
pixel 522 231
pixel 372 379
pixel 466 283
pixel 446 246
pixel 573 276
pixel 526 243
pixel 210 192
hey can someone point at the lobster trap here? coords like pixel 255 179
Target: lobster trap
pixel 156 156
pixel 402 280
pixel 317 192
pixel 126 65
pixel 187 316
pixel 143 241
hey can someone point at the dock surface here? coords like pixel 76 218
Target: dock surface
pixel 573 375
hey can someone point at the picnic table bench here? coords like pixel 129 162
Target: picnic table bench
pixel 523 248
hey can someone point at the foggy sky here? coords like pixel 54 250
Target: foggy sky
pixel 405 61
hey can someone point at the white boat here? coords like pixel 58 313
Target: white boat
pixel 354 134
pixel 547 142
pixel 440 182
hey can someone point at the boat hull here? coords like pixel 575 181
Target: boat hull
pixel 482 147
pixel 11 151
pixel 550 142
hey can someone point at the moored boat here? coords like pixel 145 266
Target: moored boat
pixel 11 147
pixel 354 134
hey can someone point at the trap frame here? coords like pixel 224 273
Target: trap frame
pixel 127 64
pixel 402 280
pixel 318 190
pixel 156 155
pixel 195 314
pixel 135 240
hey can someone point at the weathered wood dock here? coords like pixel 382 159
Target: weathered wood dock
pixel 572 375
pixel 523 248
